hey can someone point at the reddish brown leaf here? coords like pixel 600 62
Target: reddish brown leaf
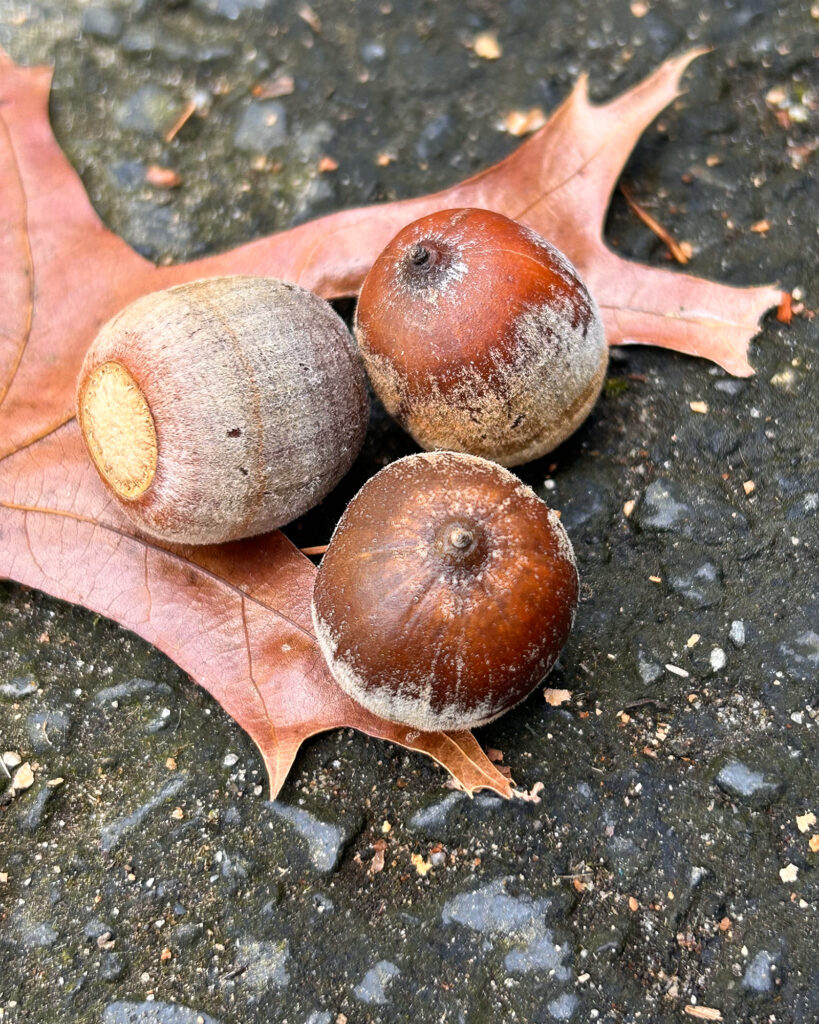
pixel 52 246
pixel 236 617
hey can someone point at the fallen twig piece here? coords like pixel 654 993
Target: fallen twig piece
pixel 677 250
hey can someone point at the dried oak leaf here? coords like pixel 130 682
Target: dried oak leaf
pixel 236 617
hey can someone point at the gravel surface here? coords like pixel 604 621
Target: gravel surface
pixel 665 866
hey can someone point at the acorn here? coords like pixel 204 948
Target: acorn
pixel 479 336
pixel 446 593
pixel 222 408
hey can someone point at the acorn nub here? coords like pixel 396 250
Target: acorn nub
pixel 460 538
pixel 460 545
pixel 418 254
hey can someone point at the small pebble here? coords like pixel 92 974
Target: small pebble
pixel 102 22
pixel 760 973
pixel 17 688
pixel 740 781
pixel 263 126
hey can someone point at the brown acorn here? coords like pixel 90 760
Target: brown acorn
pixel 446 593
pixel 479 336
pixel 222 408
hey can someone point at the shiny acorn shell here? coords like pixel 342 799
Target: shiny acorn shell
pixel 446 593
pixel 480 336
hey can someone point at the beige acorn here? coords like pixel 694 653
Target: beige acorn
pixel 222 408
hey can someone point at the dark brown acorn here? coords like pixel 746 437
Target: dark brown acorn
pixel 446 593
pixel 479 336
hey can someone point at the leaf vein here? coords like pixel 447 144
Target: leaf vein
pixel 250 672
pixel 29 259
pixel 164 551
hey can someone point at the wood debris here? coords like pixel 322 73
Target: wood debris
pixel 677 671
pixel 524 122
pixel 798 153
pixel 776 97
pixel 22 779
pixel 274 88
pixel 318 549
pixel 162 177
pixel 377 862
pixel 789 873
pixel 556 697
pixel 10 760
pixel 529 796
pixel 784 311
pixel 703 1012
pixel 326 164
pixel 309 17
pixel 422 866
pixel 628 508
pixel 749 486
pixel 700 407
pixel 813 843
pixel 486 46
pixel 761 226
pixel 681 252
pixel 804 822
pixel 633 905
pixel 187 113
